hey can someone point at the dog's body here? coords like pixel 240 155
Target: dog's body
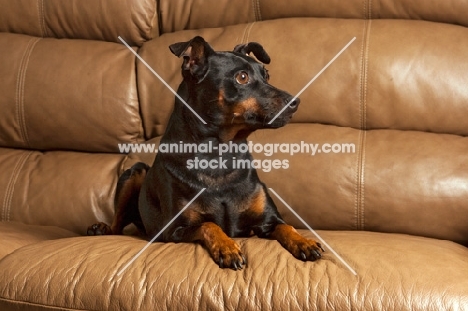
pixel 230 91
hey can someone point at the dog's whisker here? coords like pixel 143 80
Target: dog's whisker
pixel 212 101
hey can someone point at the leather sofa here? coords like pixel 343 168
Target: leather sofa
pixel 395 208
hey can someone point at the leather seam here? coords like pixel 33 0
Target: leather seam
pixel 358 160
pixel 248 32
pixel 42 17
pixel 364 9
pixel 257 12
pixel 39 15
pixel 362 181
pixel 364 125
pixel 360 165
pixel 20 86
pixel 10 189
pixel 365 76
pixel 246 35
pixel 357 189
pixel 367 9
pixel 18 99
pixel 46 33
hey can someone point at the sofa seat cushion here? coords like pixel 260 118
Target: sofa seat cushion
pixel 394 272
pixel 15 235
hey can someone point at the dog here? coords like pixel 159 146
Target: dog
pixel 229 90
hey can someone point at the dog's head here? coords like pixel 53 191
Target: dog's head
pixel 231 89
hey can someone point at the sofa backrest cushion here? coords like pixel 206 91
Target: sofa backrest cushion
pixel 67 94
pixel 397 74
pixel 215 13
pixel 134 20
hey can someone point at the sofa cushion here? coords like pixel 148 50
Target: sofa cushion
pixel 381 180
pixel 67 94
pixel 70 190
pixel 333 99
pixel 191 15
pixel 15 235
pixel 395 75
pixel 135 20
pixel 394 272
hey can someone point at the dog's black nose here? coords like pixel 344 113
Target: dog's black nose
pixel 293 104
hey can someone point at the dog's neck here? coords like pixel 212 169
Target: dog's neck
pixel 183 120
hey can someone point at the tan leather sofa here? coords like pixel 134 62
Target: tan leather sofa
pixel 395 209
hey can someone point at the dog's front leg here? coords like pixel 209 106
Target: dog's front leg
pixel 224 250
pixel 296 244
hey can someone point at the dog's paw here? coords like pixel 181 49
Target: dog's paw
pixel 99 229
pixel 227 254
pixel 305 249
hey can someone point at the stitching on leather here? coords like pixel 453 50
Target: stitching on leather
pixel 249 29
pixel 366 76
pixel 10 189
pixel 21 79
pixel 18 93
pixel 358 160
pixel 43 24
pixel 39 15
pixel 360 166
pixel 357 189
pixel 363 177
pixel 243 34
pixel 25 125
pixel 364 123
pixel 246 33
pixel 257 12
pixel 364 2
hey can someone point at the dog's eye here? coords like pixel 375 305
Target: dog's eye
pixel 242 77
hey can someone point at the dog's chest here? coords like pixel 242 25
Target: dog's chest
pixel 236 212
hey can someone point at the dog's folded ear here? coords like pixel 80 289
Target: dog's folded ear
pixel 195 53
pixel 255 48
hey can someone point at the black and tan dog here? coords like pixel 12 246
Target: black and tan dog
pixel 230 91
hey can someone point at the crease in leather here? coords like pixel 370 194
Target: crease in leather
pixel 10 189
pixel 28 304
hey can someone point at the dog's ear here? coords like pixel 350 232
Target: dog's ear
pixel 254 47
pixel 195 53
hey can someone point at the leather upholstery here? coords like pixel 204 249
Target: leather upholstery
pixel 134 20
pixel 396 208
pixel 395 272
pixel 30 101
pixel 191 15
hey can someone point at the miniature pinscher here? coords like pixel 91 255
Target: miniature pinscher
pixel 230 91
